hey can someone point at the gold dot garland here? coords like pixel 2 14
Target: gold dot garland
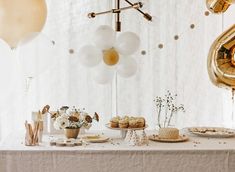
pixel 207 13
pixel 192 26
pixel 177 37
pixel 143 52
pixel 160 46
pixel 71 51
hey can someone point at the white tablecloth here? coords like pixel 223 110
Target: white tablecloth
pixel 196 155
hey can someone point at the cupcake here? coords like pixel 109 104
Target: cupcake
pixel 131 118
pixel 123 123
pixel 133 123
pixel 114 122
pixel 140 122
pixel 126 118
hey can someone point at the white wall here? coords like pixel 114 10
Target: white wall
pixel 180 66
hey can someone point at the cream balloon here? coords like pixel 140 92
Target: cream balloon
pixel 103 74
pixel 36 54
pixel 89 56
pixel 104 37
pixel 19 18
pixel 127 67
pixel 127 43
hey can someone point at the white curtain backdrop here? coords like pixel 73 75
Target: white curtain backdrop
pixel 180 66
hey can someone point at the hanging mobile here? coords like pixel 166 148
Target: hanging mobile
pixel 118 9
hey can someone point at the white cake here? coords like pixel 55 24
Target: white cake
pixel 168 133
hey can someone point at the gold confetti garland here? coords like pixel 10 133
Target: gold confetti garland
pixel 177 37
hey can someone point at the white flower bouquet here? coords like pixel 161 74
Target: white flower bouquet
pixel 71 119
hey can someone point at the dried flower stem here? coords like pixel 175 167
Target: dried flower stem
pixel 170 108
pixel 166 112
pixel 169 121
pixel 159 116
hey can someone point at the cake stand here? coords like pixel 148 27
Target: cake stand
pixel 123 131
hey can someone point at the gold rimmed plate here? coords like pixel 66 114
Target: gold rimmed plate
pixel 181 138
pixel 216 132
pixel 100 139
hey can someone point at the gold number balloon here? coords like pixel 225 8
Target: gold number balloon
pixel 221 60
pixel 21 17
pixel 218 6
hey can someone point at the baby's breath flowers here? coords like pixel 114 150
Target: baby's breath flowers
pixel 167 105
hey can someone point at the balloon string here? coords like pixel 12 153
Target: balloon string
pixel 28 96
pixel 114 93
pixel 28 84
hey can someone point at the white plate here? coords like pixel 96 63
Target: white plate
pixel 182 138
pixel 100 139
pixel 216 132
pixel 108 126
pixel 66 142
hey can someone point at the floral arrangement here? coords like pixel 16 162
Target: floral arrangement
pixel 71 119
pixel 168 107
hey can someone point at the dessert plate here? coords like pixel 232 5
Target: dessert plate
pixel 216 132
pixel 99 139
pixel 182 138
pixel 108 126
pixel 66 142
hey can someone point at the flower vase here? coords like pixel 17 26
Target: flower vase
pixel 71 132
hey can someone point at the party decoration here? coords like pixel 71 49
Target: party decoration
pixel 104 37
pixel 221 62
pixel 118 9
pixel 36 53
pixel 19 18
pixel 111 57
pixel 111 50
pixel 127 43
pixel 218 6
pixel 90 56
pixel 127 67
